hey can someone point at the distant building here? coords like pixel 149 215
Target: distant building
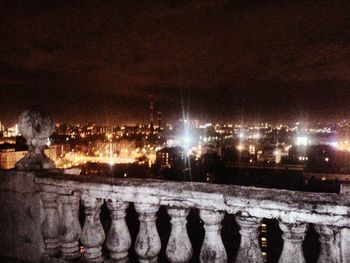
pixel 299 153
pixel 104 129
pixel 11 131
pixel 9 157
pixel 271 154
pixel 7 140
pixel 123 147
pixel 151 114
pixel 159 118
pixel 323 158
pixel 51 152
pixel 62 149
pixel 169 157
pixel 62 129
pixel 132 130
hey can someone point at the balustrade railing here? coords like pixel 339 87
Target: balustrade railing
pixel 61 230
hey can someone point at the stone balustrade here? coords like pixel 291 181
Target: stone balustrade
pixel 40 209
pixel 329 213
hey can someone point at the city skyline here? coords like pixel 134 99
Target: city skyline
pixel 222 60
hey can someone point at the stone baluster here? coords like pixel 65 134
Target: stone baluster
pixel 345 244
pixel 330 244
pixel 93 235
pixel 50 224
pixel 70 227
pixel 179 248
pixel 249 250
pixel 345 232
pixel 118 237
pixel 293 236
pixel 213 249
pixel 147 245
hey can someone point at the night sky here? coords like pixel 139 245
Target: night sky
pixel 223 60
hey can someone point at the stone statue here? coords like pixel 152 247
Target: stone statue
pixel 36 126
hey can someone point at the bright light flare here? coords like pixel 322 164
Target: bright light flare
pixel 240 147
pixel 302 140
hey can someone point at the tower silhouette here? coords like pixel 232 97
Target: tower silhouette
pixel 159 120
pixel 151 114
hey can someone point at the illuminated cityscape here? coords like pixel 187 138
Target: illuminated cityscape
pixel 328 145
pixel 314 156
pixel 178 131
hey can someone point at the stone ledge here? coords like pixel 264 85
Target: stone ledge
pixel 260 202
pixel 17 181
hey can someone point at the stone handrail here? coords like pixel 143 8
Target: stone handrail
pixel 329 212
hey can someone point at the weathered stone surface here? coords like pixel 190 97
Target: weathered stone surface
pixel 316 208
pixel 179 248
pixel 345 232
pixel 36 126
pixel 49 228
pixel 93 234
pixel 118 237
pixel 293 236
pixel 21 182
pixel 249 250
pixel 345 244
pixel 21 215
pixel 48 259
pixel 294 209
pixel 330 244
pixel 147 244
pixel 213 250
pixel 70 226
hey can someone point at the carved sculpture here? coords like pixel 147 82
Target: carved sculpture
pixel 36 126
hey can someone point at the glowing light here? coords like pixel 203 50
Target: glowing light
pixel 334 144
pixel 287 148
pixel 302 140
pixel 251 149
pixel 278 155
pixel 186 139
pixel 303 158
pixel 240 147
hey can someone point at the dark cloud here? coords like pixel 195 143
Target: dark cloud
pixel 229 59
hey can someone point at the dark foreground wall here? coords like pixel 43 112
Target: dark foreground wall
pixel 20 216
